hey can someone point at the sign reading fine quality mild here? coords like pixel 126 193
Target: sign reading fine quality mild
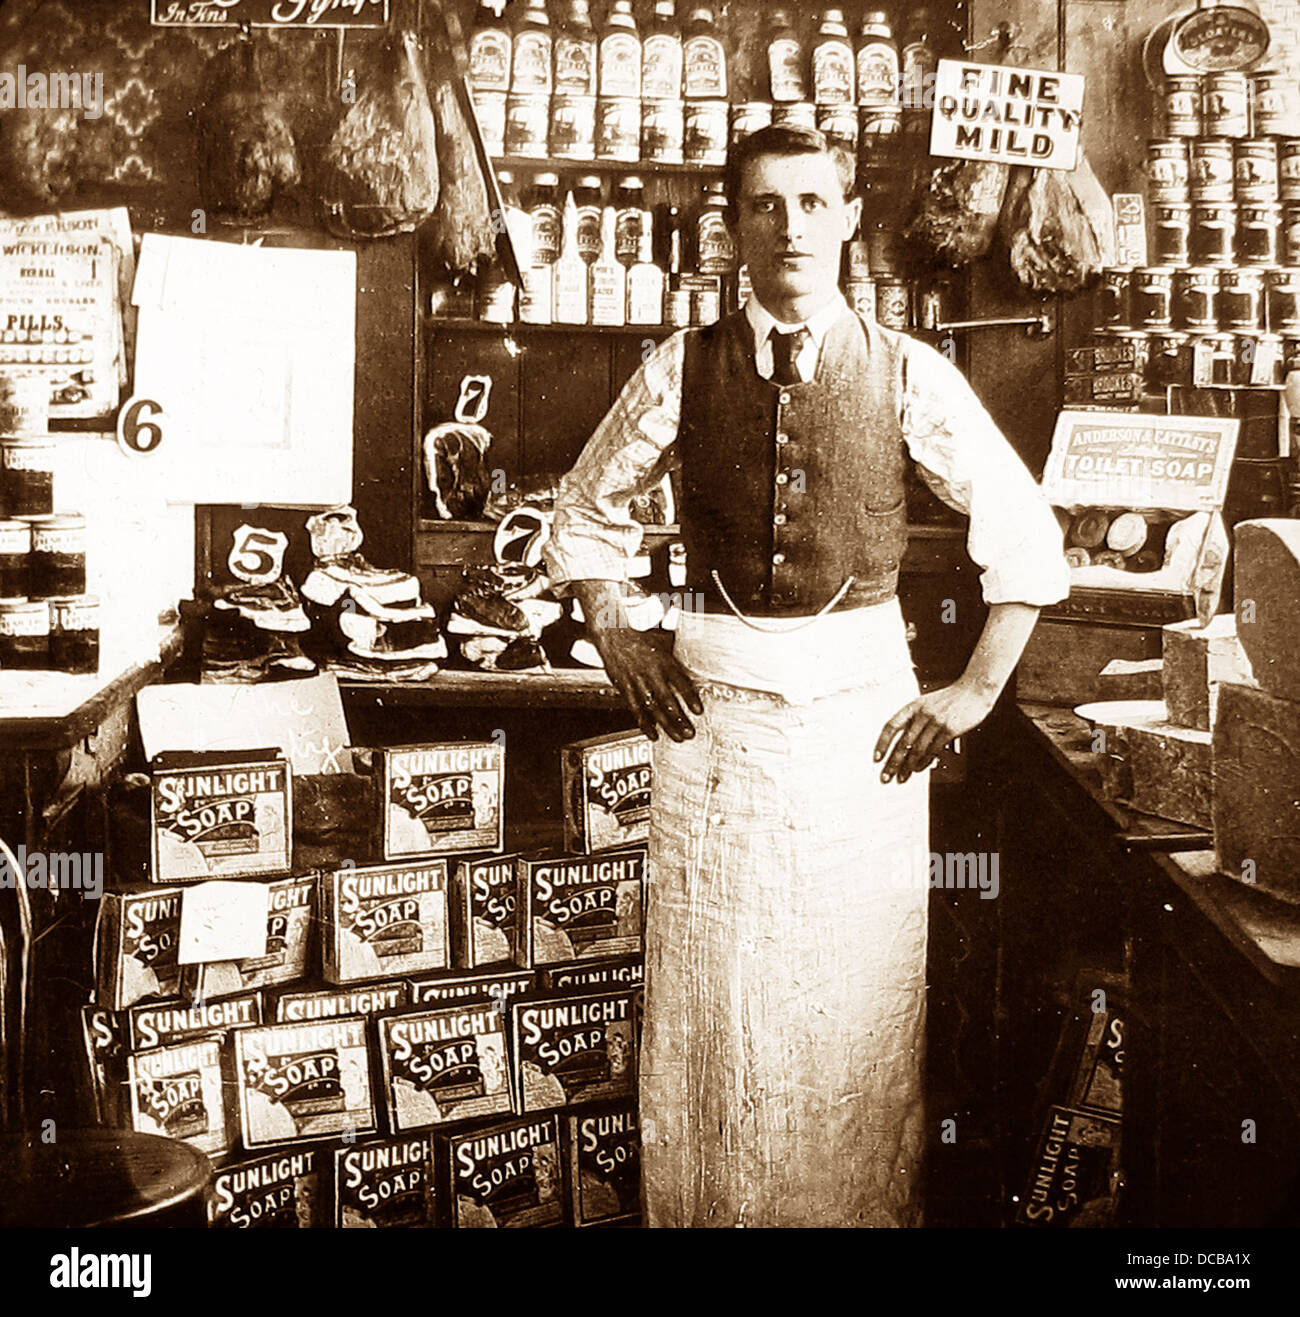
pixel 269 13
pixel 1007 115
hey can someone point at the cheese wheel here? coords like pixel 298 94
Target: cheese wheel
pixel 1127 533
pixel 1266 587
pixel 1089 529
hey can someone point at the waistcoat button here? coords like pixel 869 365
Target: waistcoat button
pixel 778 559
pixel 785 398
pixel 783 438
pixel 779 519
pixel 782 478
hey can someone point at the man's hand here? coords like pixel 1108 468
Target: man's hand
pixel 927 724
pixel 641 665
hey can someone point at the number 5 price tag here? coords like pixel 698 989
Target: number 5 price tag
pixel 139 427
pixel 257 555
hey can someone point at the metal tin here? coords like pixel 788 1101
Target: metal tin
pixel 1241 299
pixel 861 295
pixel 573 127
pixel 839 124
pixel 26 403
pixel 1223 351
pixel 892 303
pixel 1211 169
pixel 1170 360
pixel 1275 103
pixel 58 556
pixel 1139 342
pixel 1259 360
pixel 28 478
pixel 1255 171
pixel 1113 304
pixel 1196 294
pixel 1259 230
pixel 1225 105
pixel 1245 352
pixel 663 125
pixel 1291 351
pixel 24 633
pixel 705 292
pixel 1289 239
pixel 800 114
pixel 677 306
pixel 1152 297
pixel 15 558
pixel 618 128
pixel 1182 105
pixel 859 259
pixel 490 111
pixel 1168 171
pixel 1214 234
pixel 1283 293
pixel 749 118
pixel 74 633
pixel 705 139
pixel 1288 169
pixel 1172 225
pixel 526 124
pixel 883 251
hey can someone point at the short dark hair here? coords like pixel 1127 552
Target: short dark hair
pixel 784 139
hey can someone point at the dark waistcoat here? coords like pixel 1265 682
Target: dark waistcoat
pixel 786 491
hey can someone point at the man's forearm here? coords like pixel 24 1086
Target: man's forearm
pixel 601 603
pixel 1001 643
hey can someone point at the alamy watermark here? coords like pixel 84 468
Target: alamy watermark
pixel 73 871
pixel 38 90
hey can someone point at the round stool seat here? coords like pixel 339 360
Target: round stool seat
pixel 100 1177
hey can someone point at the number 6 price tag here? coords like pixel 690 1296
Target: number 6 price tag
pixel 257 555
pixel 139 427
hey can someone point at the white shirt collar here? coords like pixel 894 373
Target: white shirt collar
pixel 762 322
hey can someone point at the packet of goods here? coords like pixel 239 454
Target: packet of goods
pixel 606 782
pixel 605 1164
pixel 493 987
pixel 177 1092
pixel 137 935
pixel 384 1184
pixel 280 1191
pixel 507 1175
pixel 442 799
pixel 331 1003
pixel 485 911
pixel 582 907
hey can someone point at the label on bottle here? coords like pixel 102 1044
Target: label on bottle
pixel 620 65
pixel 629 224
pixel 607 293
pixel 715 249
pixel 645 295
pixel 704 68
pixel 535 305
pixel 661 68
pixel 785 70
pixel 832 73
pixel 919 70
pixel 546 234
pixel 575 66
pixel 571 292
pixel 587 239
pixel 489 61
pixel 878 74
pixel 532 71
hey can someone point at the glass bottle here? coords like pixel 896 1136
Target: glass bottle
pixel 586 200
pixel 832 61
pixel 544 211
pixel 489 49
pixel 608 278
pixel 878 64
pixel 620 53
pixel 645 285
pixel 715 250
pixel 531 72
pixel 785 60
pixel 704 64
pixel 571 272
pixel 575 52
pixel 630 219
pixel 919 64
pixel 661 55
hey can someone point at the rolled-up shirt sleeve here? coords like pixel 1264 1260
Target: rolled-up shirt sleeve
pixel 961 454
pixel 593 534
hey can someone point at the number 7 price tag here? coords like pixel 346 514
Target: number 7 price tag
pixel 257 555
pixel 139 427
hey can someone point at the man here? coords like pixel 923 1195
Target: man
pixel 785 956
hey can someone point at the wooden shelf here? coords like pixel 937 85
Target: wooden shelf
pixel 570 688
pixel 463 324
pixel 562 164
pixel 429 525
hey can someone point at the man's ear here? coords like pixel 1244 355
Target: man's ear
pixel 853 215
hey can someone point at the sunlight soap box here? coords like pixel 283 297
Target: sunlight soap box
pixel 606 782
pixel 485 911
pixel 442 799
pixel 384 920
pixel 384 1184
pixel 220 814
pixel 582 907
pixel 177 1092
pixel 280 1191
pixel 137 939
pixel 303 1081
pixel 443 1065
pixel 506 1175
pixel 567 1050
pixel 605 1164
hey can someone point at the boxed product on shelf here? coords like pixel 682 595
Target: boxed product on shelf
pixel 442 1065
pixel 166 1023
pixel 606 783
pixel 290 910
pixel 279 1191
pixel 442 799
pixel 567 1050
pixel 506 1174
pixel 220 814
pixel 485 912
pixel 331 1003
pixel 383 920
pixel 462 989
pixel 385 1183
pixel 137 937
pixel 582 907
pixel 604 1164
pixel 303 1081
pixel 178 1092
pixel 103 1034
pixel 588 976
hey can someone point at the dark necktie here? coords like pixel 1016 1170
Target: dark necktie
pixel 785 348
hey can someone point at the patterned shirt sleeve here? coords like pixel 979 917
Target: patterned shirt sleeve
pixel 965 459
pixel 593 534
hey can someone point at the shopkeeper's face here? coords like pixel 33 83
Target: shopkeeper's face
pixel 791 223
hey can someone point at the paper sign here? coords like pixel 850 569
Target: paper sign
pixel 1008 115
pixel 303 718
pixel 269 13
pixel 223 921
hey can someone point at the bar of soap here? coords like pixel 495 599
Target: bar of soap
pixel 1089 529
pixel 1196 660
pixel 1127 533
pixel 1078 557
pixel 1267 591
pixel 1257 789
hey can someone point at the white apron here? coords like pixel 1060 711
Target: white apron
pixel 785 944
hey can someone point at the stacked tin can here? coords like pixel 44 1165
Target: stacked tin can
pixel 46 618
pixel 1224 190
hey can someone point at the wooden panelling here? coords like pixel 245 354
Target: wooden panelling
pixel 567 391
